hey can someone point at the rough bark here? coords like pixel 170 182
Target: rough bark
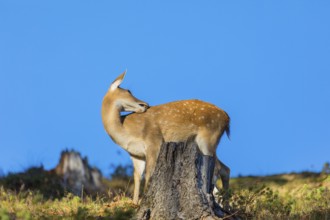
pixel 180 187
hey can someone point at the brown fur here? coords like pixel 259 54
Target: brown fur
pixel 142 133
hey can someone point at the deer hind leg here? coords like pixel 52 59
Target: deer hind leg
pixel 139 167
pixel 207 141
pixel 223 172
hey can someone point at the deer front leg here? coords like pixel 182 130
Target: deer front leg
pixel 151 160
pixel 139 167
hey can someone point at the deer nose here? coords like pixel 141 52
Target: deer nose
pixel 145 105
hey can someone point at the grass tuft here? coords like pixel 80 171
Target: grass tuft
pixel 288 196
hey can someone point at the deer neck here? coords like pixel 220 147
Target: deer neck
pixel 114 125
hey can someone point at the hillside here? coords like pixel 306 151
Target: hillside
pixel 286 196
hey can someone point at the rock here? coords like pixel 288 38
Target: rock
pixel 78 176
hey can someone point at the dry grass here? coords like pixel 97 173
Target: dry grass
pixel 288 196
pixel 30 205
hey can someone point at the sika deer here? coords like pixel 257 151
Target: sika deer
pixel 142 133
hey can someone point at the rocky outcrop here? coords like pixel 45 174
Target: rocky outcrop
pixel 77 175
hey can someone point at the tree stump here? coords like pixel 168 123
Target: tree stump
pixel 181 185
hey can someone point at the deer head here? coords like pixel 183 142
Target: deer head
pixel 123 99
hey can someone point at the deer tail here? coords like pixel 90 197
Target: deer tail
pixel 227 128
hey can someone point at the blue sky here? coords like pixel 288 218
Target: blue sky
pixel 267 63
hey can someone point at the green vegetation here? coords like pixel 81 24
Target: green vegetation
pixel 288 196
pixel 37 194
pixel 121 180
pixel 34 179
pixel 31 205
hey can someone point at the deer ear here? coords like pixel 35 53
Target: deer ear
pixel 117 81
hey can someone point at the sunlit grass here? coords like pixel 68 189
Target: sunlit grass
pixel 288 196
pixel 31 205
